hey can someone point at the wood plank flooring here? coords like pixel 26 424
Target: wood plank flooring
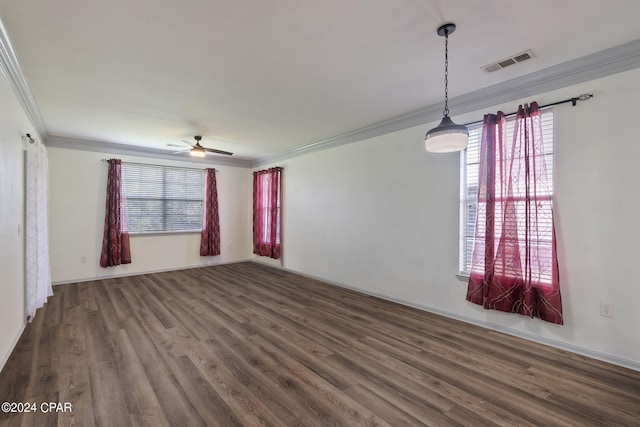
pixel 248 345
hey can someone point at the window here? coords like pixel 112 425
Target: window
pixel 469 164
pixel 267 200
pixel 163 198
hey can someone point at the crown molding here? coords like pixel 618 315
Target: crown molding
pixel 600 64
pixel 11 69
pixel 130 150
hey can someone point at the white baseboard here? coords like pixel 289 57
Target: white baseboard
pixel 138 273
pixel 5 357
pixel 605 357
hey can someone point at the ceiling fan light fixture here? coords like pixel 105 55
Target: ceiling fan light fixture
pixel 447 137
pixel 198 151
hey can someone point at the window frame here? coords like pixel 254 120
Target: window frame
pixel 266 182
pixel 466 240
pixel 266 210
pixel 168 197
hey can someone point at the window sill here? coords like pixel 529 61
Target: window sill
pixel 462 277
pixel 164 233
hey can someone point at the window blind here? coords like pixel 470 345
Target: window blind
pixel 163 198
pixel 469 171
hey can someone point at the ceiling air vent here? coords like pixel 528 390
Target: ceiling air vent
pixel 513 59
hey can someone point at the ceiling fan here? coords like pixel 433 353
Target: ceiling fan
pixel 198 150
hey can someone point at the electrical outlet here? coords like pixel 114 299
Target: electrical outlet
pixel 606 309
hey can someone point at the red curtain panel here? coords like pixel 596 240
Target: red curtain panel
pixel 210 235
pixel 115 242
pixel 514 264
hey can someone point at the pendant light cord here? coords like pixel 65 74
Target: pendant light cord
pixel 446 73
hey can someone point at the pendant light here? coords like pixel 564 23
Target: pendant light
pixel 447 137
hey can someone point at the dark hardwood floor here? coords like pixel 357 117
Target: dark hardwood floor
pixel 244 345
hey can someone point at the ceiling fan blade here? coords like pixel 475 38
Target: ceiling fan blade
pixel 213 150
pixel 184 150
pixel 200 148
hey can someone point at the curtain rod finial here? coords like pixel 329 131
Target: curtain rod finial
pixel 582 97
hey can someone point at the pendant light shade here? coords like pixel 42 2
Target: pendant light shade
pixel 447 137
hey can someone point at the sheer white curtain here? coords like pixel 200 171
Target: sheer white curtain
pixel 38 273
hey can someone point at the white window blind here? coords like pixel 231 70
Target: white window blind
pixel 469 170
pixel 266 208
pixel 163 198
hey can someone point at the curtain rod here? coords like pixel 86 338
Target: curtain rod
pixel 573 102
pixel 148 164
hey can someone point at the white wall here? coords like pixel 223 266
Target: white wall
pixel 76 220
pixel 381 215
pixel 13 124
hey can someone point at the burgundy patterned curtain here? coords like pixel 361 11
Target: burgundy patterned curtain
pixel 210 235
pixel 115 242
pixel 514 265
pixel 267 196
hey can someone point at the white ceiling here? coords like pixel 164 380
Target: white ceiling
pixel 260 77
